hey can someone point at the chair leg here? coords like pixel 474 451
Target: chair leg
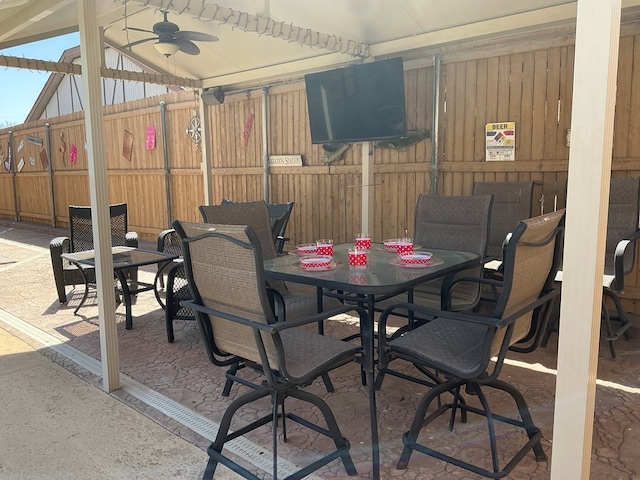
pixel 533 432
pixel 233 369
pixel 341 443
pixel 410 438
pixel 328 384
pixel 223 436
pixel 606 320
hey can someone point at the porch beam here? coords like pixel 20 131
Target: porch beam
pixel 595 71
pixel 67 68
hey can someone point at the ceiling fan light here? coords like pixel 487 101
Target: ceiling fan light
pixel 166 48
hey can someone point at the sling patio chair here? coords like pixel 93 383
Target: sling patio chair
pixel 225 272
pixel 512 202
pixel 279 214
pixel 177 288
pixel 256 214
pixel 81 238
pixel 466 350
pixel 620 258
pixel 449 223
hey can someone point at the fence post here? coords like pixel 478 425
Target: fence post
pixel 14 180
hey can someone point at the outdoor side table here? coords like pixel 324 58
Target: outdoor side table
pixel 123 258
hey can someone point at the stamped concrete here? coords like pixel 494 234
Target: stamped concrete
pixel 181 372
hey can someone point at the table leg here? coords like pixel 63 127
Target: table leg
pixel 86 288
pixel 126 293
pixel 369 366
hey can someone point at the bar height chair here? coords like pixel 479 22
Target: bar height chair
pixel 224 269
pixel 466 351
pixel 620 259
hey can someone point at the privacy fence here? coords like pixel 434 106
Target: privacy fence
pixel 155 166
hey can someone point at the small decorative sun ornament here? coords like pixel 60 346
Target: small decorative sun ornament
pixel 193 130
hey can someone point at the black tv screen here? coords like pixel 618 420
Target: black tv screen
pixel 357 103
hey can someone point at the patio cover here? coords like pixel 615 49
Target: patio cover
pixel 267 41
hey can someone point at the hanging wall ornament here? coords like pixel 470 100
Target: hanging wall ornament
pixel 151 137
pixel 44 159
pixel 7 162
pixel 73 154
pixel 193 130
pixel 127 145
pixel 63 149
pixel 248 126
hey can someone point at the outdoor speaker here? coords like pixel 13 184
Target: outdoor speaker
pixel 212 96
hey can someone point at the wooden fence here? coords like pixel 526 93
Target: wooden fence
pixel 532 88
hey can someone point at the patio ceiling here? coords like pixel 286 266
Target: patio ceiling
pixel 265 41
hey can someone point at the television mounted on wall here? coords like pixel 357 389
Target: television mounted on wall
pixel 357 103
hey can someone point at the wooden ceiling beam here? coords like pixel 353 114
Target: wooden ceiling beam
pixel 66 68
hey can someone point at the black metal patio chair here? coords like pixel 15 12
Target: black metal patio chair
pixel 620 258
pixel 466 351
pixel 225 272
pixel 81 238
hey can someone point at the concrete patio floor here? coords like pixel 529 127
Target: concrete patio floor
pixel 176 386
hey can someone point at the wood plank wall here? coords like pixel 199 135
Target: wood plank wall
pixel 532 88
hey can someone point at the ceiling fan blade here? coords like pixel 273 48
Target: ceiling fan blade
pixel 196 36
pixel 187 46
pixel 138 42
pixel 139 29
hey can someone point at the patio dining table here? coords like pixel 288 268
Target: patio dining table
pixel 383 276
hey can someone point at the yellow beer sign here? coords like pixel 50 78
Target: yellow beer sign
pixel 500 141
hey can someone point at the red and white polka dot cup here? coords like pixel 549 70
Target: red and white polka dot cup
pixel 324 247
pixel 363 241
pixel 404 246
pixel 357 258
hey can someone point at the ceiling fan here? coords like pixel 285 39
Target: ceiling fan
pixel 170 39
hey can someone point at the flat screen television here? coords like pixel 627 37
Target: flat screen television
pixel 357 103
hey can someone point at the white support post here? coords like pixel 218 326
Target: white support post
pixel 91 57
pixel 205 129
pixel 596 62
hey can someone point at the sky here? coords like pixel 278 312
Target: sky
pixel 19 88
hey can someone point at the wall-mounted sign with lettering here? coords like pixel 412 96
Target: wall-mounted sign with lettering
pixel 500 141
pixel 285 160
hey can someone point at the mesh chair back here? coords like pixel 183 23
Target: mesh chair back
pixel 81 230
pixel 530 265
pixel 224 269
pixel 255 214
pixel 453 223
pixel 624 201
pixel 279 214
pixel 512 202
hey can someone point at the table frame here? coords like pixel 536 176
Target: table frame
pixel 377 281
pixel 122 261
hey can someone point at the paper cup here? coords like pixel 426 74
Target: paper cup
pixel 324 247
pixel 363 241
pixel 404 246
pixel 357 258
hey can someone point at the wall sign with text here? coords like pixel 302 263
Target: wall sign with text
pixel 500 141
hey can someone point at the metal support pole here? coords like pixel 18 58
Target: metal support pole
pixel 265 146
pixel 165 157
pixel 52 198
pixel 435 130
